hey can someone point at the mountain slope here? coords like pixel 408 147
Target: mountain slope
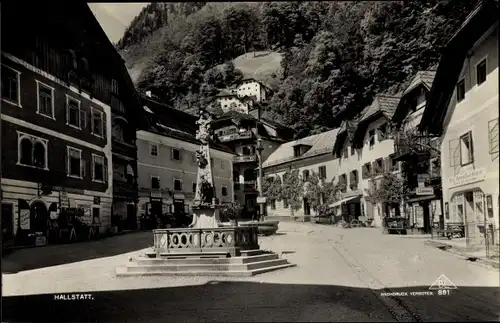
pixel 333 56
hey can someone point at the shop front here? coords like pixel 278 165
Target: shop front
pixel 471 198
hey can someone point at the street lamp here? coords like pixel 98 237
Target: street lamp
pixel 259 149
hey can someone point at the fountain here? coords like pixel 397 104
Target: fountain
pixel 206 247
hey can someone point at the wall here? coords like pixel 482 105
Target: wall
pixel 185 170
pixel 473 113
pixel 232 104
pixel 250 88
pixel 311 164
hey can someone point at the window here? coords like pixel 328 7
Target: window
pixel 75 163
pixel 481 72
pixel 395 165
pixel 155 182
pixel 273 204
pixel 114 86
pixel 176 154
pixel 371 136
pixel 354 180
pixel 224 191
pixel 74 116
pixel 305 175
pixel 296 151
pixel 345 152
pixel 194 187
pixel 177 185
pixel 98 168
pixel 97 122
pixel 153 150
pixel 322 172
pixel 382 132
pixel 366 171
pixel 379 166
pixel 285 203
pixel 461 90
pixel 466 149
pixel 32 151
pixel 353 151
pixel 45 100
pixel 493 136
pixel 11 85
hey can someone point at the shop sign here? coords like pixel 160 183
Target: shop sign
pixel 178 196
pixel 156 194
pixel 424 191
pixel 261 200
pixel 471 176
pixel 63 199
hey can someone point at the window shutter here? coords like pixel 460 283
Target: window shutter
pixel 363 172
pixel 66 164
pixel 471 150
pixel 83 119
pixel 82 168
pixel 104 125
pixel 171 153
pixel 374 168
pixel 90 120
pixel 387 164
pixel 180 154
pixel 105 171
pixel 493 136
pixel 454 151
pixel 67 110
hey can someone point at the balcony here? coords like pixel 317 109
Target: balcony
pixel 411 143
pixel 124 148
pixel 245 159
pixel 236 136
pixel 247 186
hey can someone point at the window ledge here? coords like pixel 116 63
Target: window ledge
pixel 98 181
pixel 46 116
pixel 73 126
pixel 12 103
pixel 75 176
pixel 97 135
pixel 31 166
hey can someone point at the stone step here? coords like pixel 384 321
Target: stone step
pixel 123 272
pixel 232 260
pixel 168 267
pixel 251 252
pixel 186 255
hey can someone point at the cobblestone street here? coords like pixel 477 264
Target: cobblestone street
pixel 340 275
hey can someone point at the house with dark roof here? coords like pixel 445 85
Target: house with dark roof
pixel 167 166
pixel 309 155
pixel 363 148
pixel 419 154
pixel 462 108
pixel 68 115
pixel 240 131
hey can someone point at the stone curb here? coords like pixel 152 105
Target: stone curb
pixel 482 261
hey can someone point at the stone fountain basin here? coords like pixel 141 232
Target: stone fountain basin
pixel 266 227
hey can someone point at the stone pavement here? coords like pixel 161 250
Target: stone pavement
pixel 340 276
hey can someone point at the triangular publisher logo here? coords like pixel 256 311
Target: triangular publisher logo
pixel 442 282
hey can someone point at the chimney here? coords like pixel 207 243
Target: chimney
pixel 148 94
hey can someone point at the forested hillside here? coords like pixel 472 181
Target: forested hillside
pixel 336 55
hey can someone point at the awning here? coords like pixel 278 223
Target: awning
pixel 346 200
pixel 422 198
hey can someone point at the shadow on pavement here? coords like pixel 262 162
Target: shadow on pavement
pixel 251 302
pixel 53 255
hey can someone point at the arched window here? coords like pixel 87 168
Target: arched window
pixel 236 176
pixel 73 60
pixel 39 155
pixel 130 174
pixel 26 151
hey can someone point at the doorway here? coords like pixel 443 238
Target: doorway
pixel 307 207
pixel 39 217
pixel 131 216
pixel 7 224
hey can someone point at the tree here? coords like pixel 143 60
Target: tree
pixel 293 189
pixel 313 191
pixel 392 190
pixel 272 188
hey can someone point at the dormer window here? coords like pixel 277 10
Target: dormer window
pixel 300 149
pixel 296 151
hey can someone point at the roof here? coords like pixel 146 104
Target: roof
pixel 479 21
pixel 346 130
pixel 421 78
pixel 384 104
pixel 321 144
pixel 424 78
pixel 224 92
pixel 173 123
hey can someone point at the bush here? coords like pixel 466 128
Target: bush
pixel 230 211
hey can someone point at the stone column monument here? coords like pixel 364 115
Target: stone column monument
pixel 205 205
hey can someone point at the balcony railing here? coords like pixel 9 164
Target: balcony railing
pixel 125 189
pixel 411 143
pixel 245 159
pixel 236 136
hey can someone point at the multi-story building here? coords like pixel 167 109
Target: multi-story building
pixel 310 154
pixel 363 149
pixel 462 107
pixel 250 87
pixel 167 166
pixel 419 154
pixel 239 131
pixel 230 101
pixel 56 117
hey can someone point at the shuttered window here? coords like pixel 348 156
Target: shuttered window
pixel 454 152
pixel 493 136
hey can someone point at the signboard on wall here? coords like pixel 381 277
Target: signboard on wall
pixel 471 176
pixel 261 200
pixel 424 191
pixel 24 219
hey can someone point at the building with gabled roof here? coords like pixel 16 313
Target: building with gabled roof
pixel 309 154
pixel 462 108
pixel 167 166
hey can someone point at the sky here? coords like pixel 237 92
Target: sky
pixel 115 17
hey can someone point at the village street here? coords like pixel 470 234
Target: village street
pixel 339 276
